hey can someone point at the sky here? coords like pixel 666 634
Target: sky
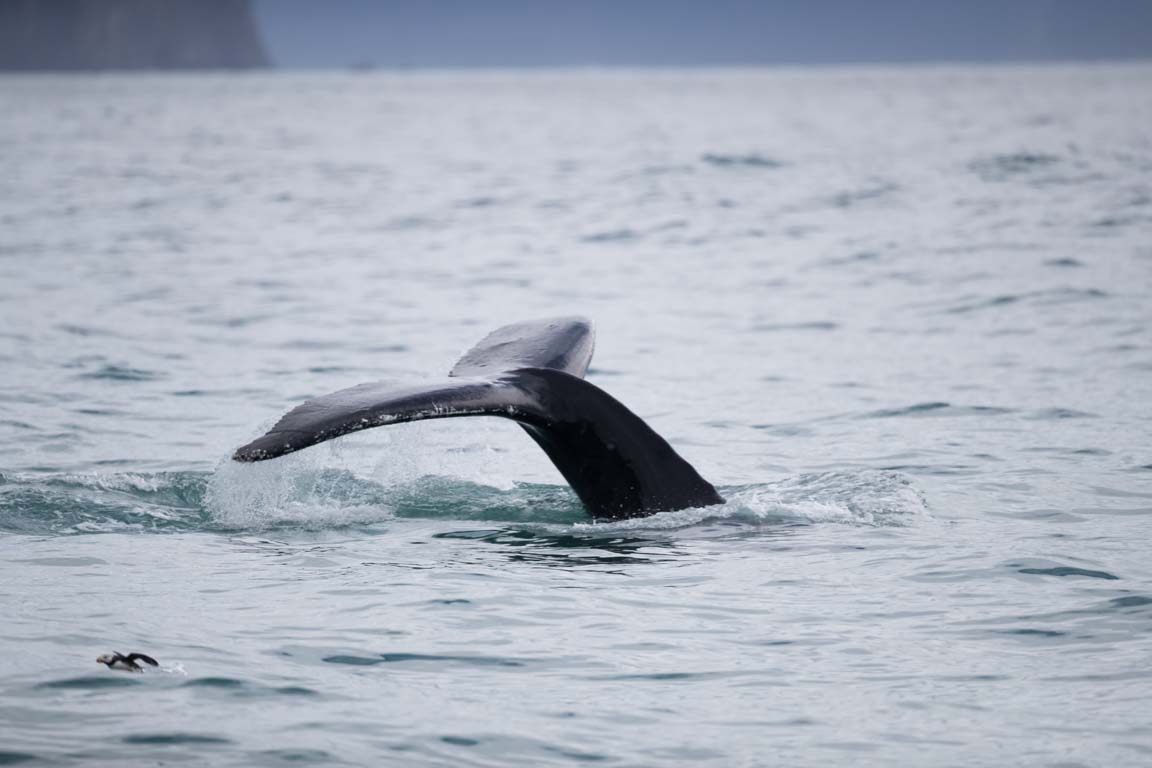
pixel 549 33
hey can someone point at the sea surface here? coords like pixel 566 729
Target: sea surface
pixel 902 318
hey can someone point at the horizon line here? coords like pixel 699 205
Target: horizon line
pixel 367 68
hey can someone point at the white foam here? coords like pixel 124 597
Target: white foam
pixel 294 490
pixel 867 498
pixel 356 479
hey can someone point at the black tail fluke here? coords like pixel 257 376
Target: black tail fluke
pixel 530 373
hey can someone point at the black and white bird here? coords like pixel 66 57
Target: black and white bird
pixel 117 660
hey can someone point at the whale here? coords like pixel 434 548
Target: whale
pixel 531 372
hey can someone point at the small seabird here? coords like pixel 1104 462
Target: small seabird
pixel 127 663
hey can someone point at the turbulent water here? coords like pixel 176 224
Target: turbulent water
pixel 901 318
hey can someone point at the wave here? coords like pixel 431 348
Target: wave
pixel 288 495
pixel 98 502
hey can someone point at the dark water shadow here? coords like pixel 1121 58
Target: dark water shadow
pixel 446 497
pixel 432 658
pixel 172 739
pixel 565 550
pixel 90 683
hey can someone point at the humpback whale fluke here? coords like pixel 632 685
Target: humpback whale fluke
pixel 531 372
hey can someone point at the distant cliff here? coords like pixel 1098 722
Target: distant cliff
pixel 129 34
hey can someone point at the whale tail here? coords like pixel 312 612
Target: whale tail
pixel 532 373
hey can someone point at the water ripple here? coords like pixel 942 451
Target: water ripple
pixel 750 160
pixel 438 660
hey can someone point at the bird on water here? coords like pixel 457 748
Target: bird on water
pixel 117 660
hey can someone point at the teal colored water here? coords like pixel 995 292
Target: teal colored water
pixel 900 317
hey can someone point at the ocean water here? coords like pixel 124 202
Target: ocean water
pixel 900 317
